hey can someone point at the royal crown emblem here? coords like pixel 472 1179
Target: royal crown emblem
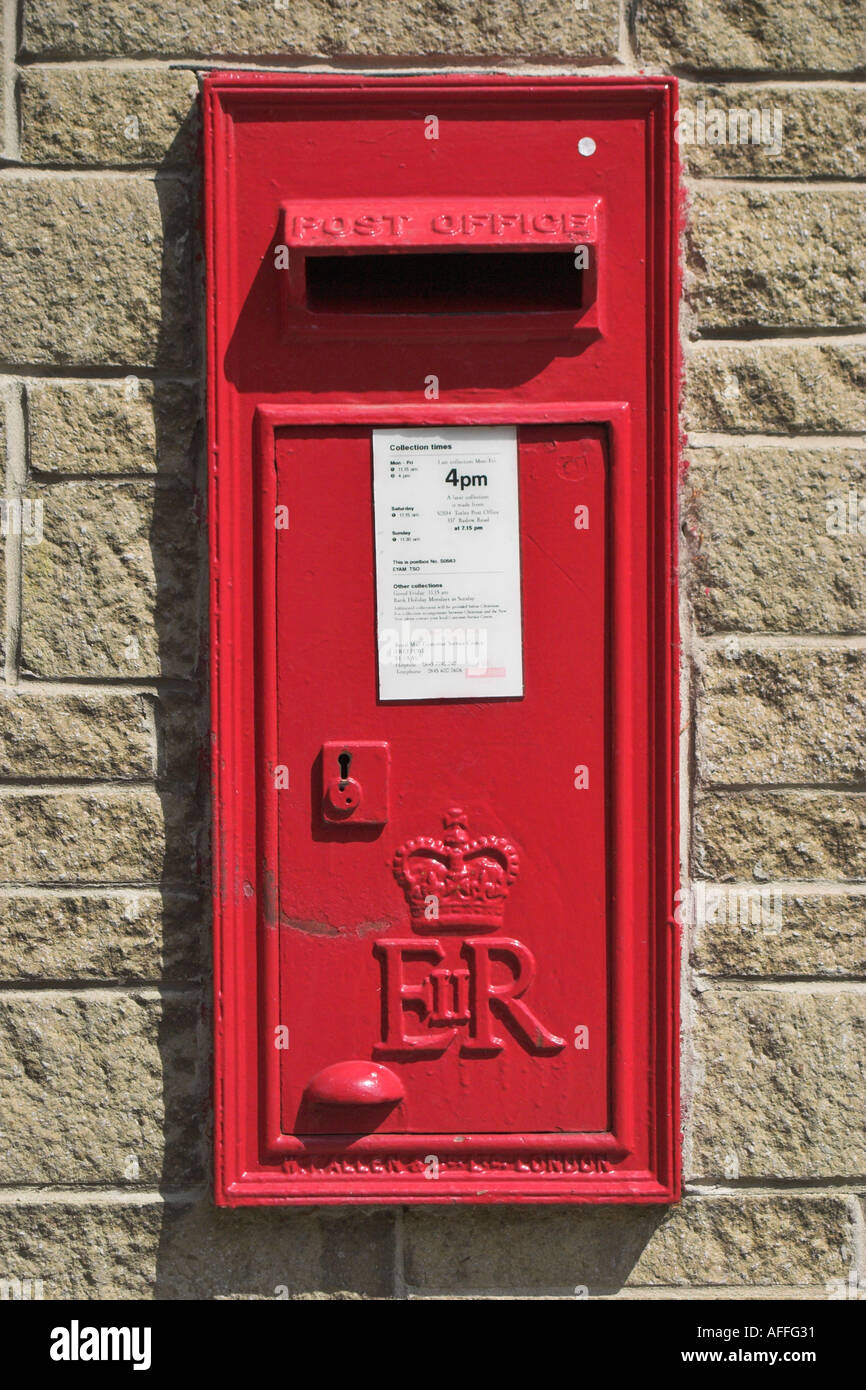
pixel 456 882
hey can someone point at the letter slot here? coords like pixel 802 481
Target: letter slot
pixel 376 267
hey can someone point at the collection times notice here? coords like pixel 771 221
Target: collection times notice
pixel 447 563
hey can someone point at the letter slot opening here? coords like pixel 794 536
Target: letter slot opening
pixel 445 282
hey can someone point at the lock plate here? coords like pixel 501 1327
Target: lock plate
pixel 355 782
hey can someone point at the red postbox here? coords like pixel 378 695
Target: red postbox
pixel 442 370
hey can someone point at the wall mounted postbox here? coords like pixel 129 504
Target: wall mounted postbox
pixel 442 365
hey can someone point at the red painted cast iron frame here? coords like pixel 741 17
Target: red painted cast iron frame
pixel 251 1151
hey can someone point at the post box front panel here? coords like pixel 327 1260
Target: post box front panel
pixel 510 765
pixel 445 959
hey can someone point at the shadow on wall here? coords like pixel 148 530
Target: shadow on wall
pixel 202 1252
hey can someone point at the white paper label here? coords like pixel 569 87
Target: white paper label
pixel 447 563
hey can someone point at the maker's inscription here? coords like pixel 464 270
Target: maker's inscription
pixel 565 1165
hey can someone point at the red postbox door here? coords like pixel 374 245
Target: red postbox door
pixel 474 966
pixel 442 381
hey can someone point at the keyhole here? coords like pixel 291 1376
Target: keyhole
pixel 344 760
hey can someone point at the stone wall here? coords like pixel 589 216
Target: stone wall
pixel 104 1009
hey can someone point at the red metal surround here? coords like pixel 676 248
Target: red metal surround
pixel 521 1045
